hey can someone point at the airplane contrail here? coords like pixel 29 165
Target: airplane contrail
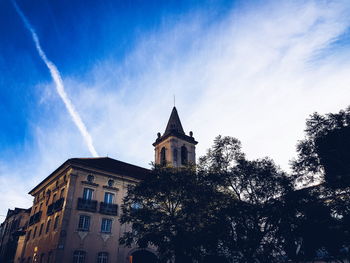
pixel 56 76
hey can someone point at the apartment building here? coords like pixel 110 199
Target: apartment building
pixel 75 213
pixel 11 229
pixel 76 209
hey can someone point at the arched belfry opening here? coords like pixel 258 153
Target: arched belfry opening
pixel 184 155
pixel 174 147
pixel 163 156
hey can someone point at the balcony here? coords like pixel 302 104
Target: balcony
pixel 108 209
pixel 35 218
pixel 87 205
pixel 55 207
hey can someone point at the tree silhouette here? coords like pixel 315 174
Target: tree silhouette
pixel 173 210
pixel 324 154
pixel 231 209
pixel 319 214
pixel 228 209
pixel 253 211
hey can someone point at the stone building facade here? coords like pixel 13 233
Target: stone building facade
pixel 76 209
pixel 11 230
pixel 75 213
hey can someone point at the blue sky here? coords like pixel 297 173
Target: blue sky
pixel 250 69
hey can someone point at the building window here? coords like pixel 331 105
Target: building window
pixel 48 194
pixel 48 226
pixel 106 225
pixel 184 155
pixel 79 256
pixel 175 155
pixel 87 195
pixel 162 156
pixel 34 233
pixel 84 223
pixel 41 206
pixel 54 198
pixel 62 193
pixel 56 222
pixel 29 234
pixel 41 229
pixel 110 182
pixel 102 257
pixel 109 198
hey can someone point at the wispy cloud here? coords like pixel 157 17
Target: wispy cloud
pixel 56 76
pixel 255 74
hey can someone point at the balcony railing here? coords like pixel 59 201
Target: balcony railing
pixel 108 209
pixel 35 218
pixel 87 205
pixel 54 207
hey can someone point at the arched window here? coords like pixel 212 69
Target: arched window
pixel 79 256
pixel 102 257
pixel 184 159
pixel 162 156
pixel 175 155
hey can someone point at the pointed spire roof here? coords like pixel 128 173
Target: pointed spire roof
pixel 174 128
pixel 174 123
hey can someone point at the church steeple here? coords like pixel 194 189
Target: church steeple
pixel 174 147
pixel 174 123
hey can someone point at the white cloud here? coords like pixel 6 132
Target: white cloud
pixel 255 75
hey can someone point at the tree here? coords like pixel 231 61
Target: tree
pixel 172 210
pixel 319 214
pixel 324 154
pixel 252 214
pixel 235 209
pixel 316 224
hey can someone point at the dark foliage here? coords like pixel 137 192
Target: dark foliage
pixel 231 209
pixel 173 210
pixel 316 224
pixel 317 221
pixel 325 150
pixel 254 190
pixel 228 208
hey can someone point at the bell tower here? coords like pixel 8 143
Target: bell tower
pixel 174 147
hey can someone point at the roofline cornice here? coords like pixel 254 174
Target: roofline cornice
pixel 71 164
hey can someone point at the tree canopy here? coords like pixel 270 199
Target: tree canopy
pixel 232 209
pixel 173 210
pixel 324 153
pixel 226 209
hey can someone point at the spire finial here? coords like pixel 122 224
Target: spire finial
pixel 174 100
